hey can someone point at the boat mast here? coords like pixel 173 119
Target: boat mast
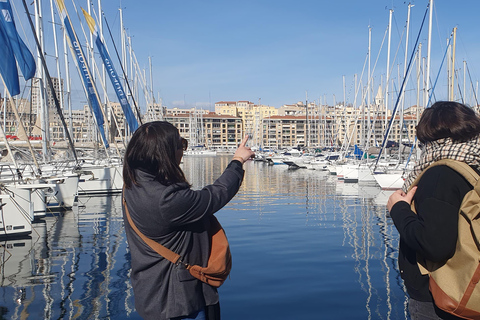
pixel 133 76
pixel 104 70
pixel 464 81
pixel 452 73
pixel 419 60
pixel 429 49
pixel 124 55
pixel 424 81
pixel 344 118
pixel 366 117
pixel 67 94
pixel 124 49
pixel 402 109
pixel 42 98
pixel 57 62
pixel 388 67
pixel 151 85
pixel 306 119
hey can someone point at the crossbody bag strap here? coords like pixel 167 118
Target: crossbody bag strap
pixel 459 166
pixel 161 250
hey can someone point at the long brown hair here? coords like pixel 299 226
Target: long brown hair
pixel 152 149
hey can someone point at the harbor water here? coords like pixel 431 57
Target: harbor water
pixel 304 246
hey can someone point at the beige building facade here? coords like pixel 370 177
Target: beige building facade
pixel 297 125
pixel 209 130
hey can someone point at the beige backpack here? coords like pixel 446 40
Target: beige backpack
pixel 454 283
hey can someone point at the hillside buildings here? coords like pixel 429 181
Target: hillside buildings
pixel 304 125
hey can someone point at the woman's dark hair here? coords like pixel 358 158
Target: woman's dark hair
pixel 153 149
pixel 448 119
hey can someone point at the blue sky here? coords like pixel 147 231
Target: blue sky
pixel 281 51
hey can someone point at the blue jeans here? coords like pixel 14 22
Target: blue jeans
pixel 199 315
pixel 420 310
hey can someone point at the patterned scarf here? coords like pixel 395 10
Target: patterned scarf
pixel 468 152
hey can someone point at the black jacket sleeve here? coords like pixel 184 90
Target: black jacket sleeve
pixel 432 231
pixel 184 205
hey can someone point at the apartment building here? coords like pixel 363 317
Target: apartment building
pixel 300 131
pixel 38 96
pixel 226 108
pixel 252 116
pixel 177 111
pixel 9 120
pixel 209 130
pixel 154 112
pixel 297 125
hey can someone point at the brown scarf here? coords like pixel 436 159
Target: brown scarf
pixel 468 152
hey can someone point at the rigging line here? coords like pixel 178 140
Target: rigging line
pixel 369 84
pixel 140 76
pixel 439 70
pixel 440 39
pixel 460 39
pixel 123 70
pixel 50 84
pixel 389 127
pixel 364 95
pixel 458 85
pixel 390 71
pixel 345 146
pixel 433 87
pixel 471 82
pixel 378 56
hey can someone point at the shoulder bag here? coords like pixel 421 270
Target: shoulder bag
pixel 220 259
pixel 454 283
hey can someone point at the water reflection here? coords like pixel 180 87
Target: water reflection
pixel 74 265
pixel 303 199
pixel 302 242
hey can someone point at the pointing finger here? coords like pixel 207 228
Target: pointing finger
pixel 244 141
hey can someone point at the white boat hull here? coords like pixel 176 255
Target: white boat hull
pixel 389 181
pixel 64 194
pixel 100 180
pixel 16 212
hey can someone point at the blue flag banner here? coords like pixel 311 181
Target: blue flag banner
pixel 117 86
pixel 11 39
pixel 92 96
pixel 8 66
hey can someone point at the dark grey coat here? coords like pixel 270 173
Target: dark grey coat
pixel 178 218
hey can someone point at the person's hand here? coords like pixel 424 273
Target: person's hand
pixel 399 195
pixel 243 152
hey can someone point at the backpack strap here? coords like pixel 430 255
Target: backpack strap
pixel 161 250
pixel 461 167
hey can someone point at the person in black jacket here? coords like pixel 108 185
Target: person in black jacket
pixel 447 130
pixel 164 208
